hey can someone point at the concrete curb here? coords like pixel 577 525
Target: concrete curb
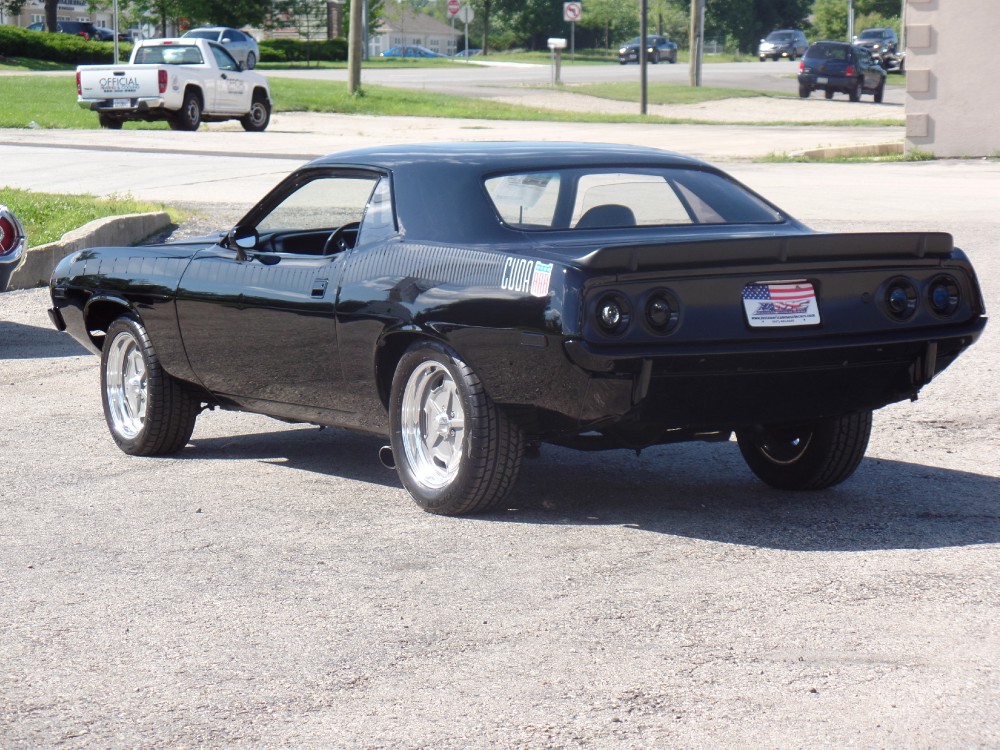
pixel 835 152
pixel 112 230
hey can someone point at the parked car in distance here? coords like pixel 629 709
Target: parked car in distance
pixel 410 50
pixel 471 301
pixel 83 29
pixel 790 43
pixel 657 48
pixel 471 52
pixel 833 67
pixel 240 45
pixel 13 245
pixel 883 45
pixel 105 34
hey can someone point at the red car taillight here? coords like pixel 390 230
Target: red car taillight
pixel 163 80
pixel 7 236
pixel 79 91
pixel 849 72
pixel 802 66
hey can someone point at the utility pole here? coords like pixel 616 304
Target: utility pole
pixel 697 38
pixel 643 55
pixel 354 52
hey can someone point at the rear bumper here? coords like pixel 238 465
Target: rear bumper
pixel 837 83
pixel 106 106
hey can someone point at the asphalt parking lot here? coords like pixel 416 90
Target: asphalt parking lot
pixel 273 585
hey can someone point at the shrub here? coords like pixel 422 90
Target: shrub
pixel 56 47
pixel 296 50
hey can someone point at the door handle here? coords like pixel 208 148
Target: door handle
pixel 319 288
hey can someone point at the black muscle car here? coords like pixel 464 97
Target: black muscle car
pixel 472 301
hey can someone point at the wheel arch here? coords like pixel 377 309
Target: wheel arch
pixel 100 312
pixel 260 92
pixel 389 350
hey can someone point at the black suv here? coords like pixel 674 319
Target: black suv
pixel 657 48
pixel 883 46
pixel 790 43
pixel 837 66
pixel 84 29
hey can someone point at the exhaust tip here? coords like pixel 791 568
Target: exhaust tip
pixel 386 457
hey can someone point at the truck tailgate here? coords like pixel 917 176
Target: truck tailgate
pixel 106 82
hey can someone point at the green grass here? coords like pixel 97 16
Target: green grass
pixel 50 102
pixel 784 158
pixel 47 217
pixel 26 64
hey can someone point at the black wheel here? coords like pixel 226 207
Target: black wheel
pixel 656 57
pixel 828 93
pixel 455 452
pixel 811 457
pixel 762 59
pixel 804 91
pixel 855 92
pixel 189 116
pixel 258 117
pixel 880 92
pixel 148 412
pixel 251 61
pixel 108 122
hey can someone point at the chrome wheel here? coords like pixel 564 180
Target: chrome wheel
pixel 126 386
pixel 432 423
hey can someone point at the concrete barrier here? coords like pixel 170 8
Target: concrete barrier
pixel 112 230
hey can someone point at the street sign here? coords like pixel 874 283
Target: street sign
pixel 572 12
pixel 453 7
pixel 465 14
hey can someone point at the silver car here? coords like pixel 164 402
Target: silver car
pixel 240 45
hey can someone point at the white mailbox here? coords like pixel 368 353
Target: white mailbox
pixel 556 43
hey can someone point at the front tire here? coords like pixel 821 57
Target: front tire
pixel 455 452
pixel 251 61
pixel 257 119
pixel 810 457
pixel 148 412
pixel 880 92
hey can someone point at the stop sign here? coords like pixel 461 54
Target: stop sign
pixel 454 6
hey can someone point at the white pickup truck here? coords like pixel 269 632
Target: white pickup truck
pixel 183 81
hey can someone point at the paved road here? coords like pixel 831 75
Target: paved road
pixel 274 586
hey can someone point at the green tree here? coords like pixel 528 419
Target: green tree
pixel 12 7
pixel 745 22
pixel 612 20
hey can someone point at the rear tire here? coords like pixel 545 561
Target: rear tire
pixel 855 92
pixel 804 92
pixel 455 452
pixel 148 412
pixel 108 122
pixel 810 457
pixel 189 116
pixel 251 61
pixel 828 93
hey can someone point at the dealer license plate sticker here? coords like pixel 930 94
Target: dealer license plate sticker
pixel 779 304
pixel 121 103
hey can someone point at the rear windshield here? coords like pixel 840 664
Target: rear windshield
pixel 610 198
pixel 172 54
pixel 827 52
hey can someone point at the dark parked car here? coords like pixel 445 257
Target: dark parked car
pixel 13 245
pixel 83 29
pixel 240 45
pixel 657 48
pixel 833 67
pixel 411 50
pixel 883 45
pixel 472 301
pixel 105 34
pixel 790 43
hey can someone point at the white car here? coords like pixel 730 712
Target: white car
pixel 239 44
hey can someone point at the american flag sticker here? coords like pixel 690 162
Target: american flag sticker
pixel 540 279
pixel 780 303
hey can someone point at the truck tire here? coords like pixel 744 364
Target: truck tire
pixel 189 116
pixel 259 115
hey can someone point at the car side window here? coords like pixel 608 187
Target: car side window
pixel 223 59
pixel 379 222
pixel 317 208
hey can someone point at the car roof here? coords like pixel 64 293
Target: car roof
pixel 501 156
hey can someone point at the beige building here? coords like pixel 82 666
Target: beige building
pixel 952 94
pixel 400 27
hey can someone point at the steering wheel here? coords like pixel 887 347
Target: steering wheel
pixel 342 238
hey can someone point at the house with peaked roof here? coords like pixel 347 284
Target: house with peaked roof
pixel 401 26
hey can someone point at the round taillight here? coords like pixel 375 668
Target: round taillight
pixel 943 295
pixel 6 235
pixel 613 314
pixel 662 311
pixel 900 299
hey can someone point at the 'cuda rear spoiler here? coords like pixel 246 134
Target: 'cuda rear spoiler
pixel 774 249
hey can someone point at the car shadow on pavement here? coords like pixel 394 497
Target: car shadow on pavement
pixel 706 492
pixel 328 451
pixel 18 341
